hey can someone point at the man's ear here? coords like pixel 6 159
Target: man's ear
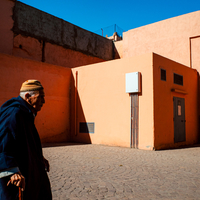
pixel 27 96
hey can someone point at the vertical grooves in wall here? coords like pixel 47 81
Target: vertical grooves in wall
pixel 191 48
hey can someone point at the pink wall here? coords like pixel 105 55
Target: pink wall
pixel 102 99
pixel 53 121
pixel 195 55
pixel 170 38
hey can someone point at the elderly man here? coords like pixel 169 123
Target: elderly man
pixel 22 164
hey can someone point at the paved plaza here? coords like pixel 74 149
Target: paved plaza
pixel 103 172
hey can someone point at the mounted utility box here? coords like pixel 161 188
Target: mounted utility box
pixel 133 82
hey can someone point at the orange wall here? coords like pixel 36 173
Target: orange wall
pixel 102 99
pixel 27 47
pixel 31 48
pixel 169 38
pixel 66 57
pixel 53 121
pixel 101 96
pixel 6 24
pixel 163 102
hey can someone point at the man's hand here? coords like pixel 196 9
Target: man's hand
pixel 18 180
pixel 46 164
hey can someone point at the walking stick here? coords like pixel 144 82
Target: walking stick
pixel 20 194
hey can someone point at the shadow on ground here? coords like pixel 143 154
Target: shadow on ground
pixel 46 145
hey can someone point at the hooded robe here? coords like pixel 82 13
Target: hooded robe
pixel 20 146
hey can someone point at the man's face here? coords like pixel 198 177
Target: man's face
pixel 37 100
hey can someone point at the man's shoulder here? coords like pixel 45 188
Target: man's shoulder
pixel 10 114
pixel 12 108
pixel 16 103
pixel 13 116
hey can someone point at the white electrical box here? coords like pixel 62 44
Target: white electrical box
pixel 133 84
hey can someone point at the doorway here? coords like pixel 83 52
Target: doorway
pixel 179 119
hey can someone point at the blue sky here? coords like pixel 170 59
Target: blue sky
pixel 93 15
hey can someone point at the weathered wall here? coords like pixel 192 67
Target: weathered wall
pixel 102 99
pixel 59 55
pixel 34 23
pixel 28 47
pixel 163 102
pixel 31 48
pixel 169 38
pixel 6 24
pixel 30 33
pixel 53 121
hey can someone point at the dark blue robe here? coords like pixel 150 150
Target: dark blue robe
pixel 20 147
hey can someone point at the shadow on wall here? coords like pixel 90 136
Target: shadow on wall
pixel 115 53
pixel 80 129
pixel 198 107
